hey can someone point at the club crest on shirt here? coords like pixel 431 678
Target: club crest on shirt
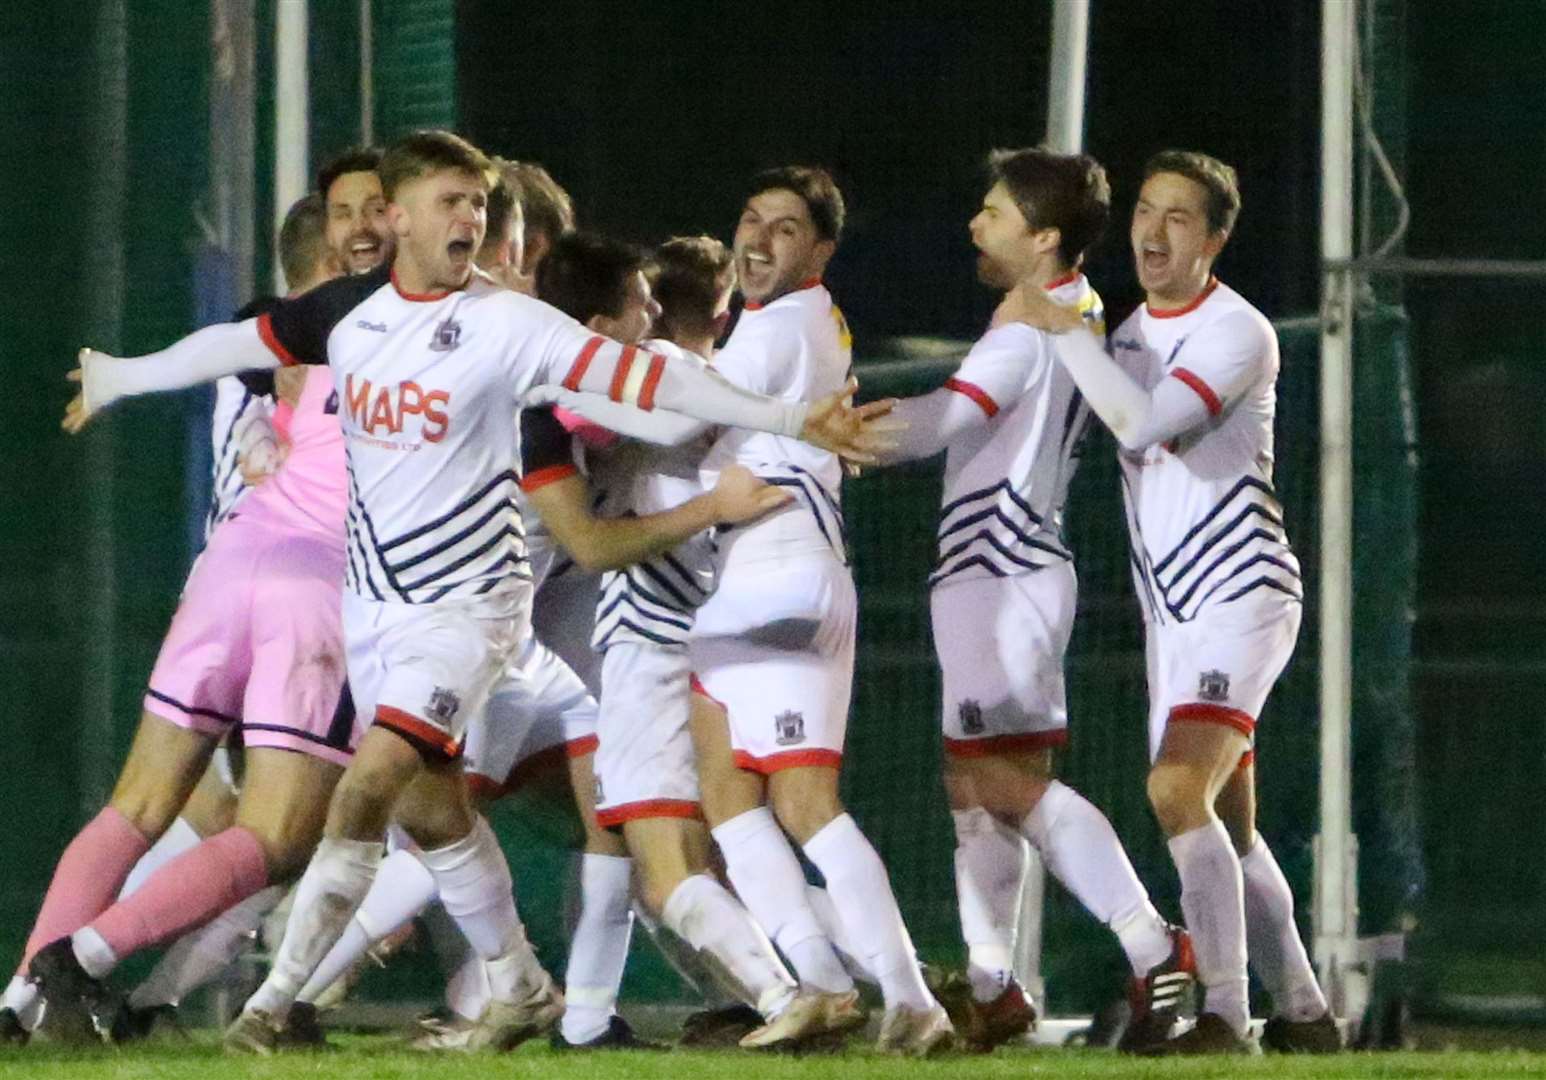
pixel 971 718
pixel 1213 686
pixel 448 335
pixel 442 705
pixel 789 727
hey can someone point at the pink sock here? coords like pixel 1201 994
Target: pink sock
pixel 87 879
pixel 186 893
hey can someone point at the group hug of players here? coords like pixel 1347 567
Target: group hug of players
pixel 537 529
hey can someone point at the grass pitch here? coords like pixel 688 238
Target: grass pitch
pixel 381 1058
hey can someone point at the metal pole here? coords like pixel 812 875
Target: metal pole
pixel 103 325
pixel 1066 75
pixel 367 76
pixel 1065 133
pixel 1336 861
pixel 291 115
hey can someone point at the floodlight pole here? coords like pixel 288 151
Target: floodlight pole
pixel 291 115
pixel 1336 848
pixel 1065 133
pixel 1066 75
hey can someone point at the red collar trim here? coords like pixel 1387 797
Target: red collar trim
pixel 1175 313
pixel 422 298
pixel 1072 276
pixel 808 283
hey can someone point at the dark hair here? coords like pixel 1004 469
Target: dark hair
pixel 356 159
pixel 1066 192
pixel 813 184
pixel 549 210
pixel 586 275
pixel 691 274
pixel 424 152
pixel 1218 179
pixel 503 200
pixel 303 239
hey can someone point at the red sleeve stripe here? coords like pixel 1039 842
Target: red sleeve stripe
pixel 541 478
pixel 581 362
pixel 620 376
pixel 1204 391
pixel 976 393
pixel 275 346
pixel 651 382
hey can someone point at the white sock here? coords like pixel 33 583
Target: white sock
pixel 685 961
pixel 1212 899
pixel 179 838
pixel 990 870
pixel 335 882
pixel 598 946
pixel 198 957
pixel 93 952
pixel 1082 851
pixel 708 918
pixel 832 926
pixel 1276 951
pixel 403 887
pixel 22 998
pixel 467 986
pixel 861 892
pixel 770 882
pixel 475 888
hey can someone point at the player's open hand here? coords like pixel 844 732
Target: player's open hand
pixel 1030 304
pixel 739 496
pixel 856 433
pixel 81 409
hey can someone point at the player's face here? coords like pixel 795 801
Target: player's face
pixel 1173 248
pixel 440 221
pixel 639 312
pixel 357 226
pixel 1003 238
pixel 777 247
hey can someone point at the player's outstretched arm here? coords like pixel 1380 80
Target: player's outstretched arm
pixel 202 356
pixel 646 382
pixel 1137 417
pixel 613 543
pixel 660 426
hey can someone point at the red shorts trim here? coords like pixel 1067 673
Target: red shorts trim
pixel 275 346
pixel 1005 744
pixel 1203 713
pixel 1204 391
pixel 698 688
pixel 613 816
pixel 585 744
pixel 983 399
pixel 788 759
pixel 424 736
pixel 541 478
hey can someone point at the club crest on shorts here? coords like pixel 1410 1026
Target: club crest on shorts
pixel 1213 686
pixel 790 728
pixel 971 718
pixel 448 335
pixel 442 705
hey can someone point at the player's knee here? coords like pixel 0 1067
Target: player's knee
pixel 805 810
pixel 286 853
pixel 361 808
pixel 1179 797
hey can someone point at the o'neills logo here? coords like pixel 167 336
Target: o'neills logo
pixel 382 410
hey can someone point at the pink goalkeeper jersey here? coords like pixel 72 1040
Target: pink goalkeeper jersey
pixel 311 489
